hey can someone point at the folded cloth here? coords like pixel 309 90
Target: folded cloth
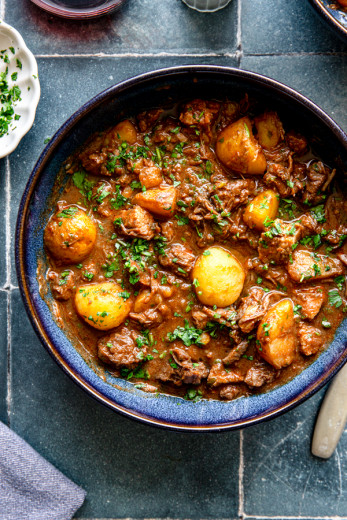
pixel 30 487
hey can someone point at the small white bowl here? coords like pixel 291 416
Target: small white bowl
pixel 27 81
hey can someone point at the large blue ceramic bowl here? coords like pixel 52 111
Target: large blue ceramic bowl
pixel 336 18
pixel 120 101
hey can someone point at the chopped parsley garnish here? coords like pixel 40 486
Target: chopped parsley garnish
pixel 182 221
pixel 193 395
pixel 68 212
pixel 124 294
pixel 266 328
pixel 9 98
pixel 189 335
pixel 120 200
pixel 318 213
pixel 81 182
pixel 335 299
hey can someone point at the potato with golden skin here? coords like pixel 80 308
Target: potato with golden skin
pixel 238 149
pixel 103 305
pixel 218 277
pixel 270 130
pixel 276 335
pixel 263 208
pixel 160 201
pixel 70 235
pixel 126 131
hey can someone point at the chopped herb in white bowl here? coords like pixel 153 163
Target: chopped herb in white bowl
pixel 19 89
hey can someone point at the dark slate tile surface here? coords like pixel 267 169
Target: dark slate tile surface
pixel 141 26
pixel 278 464
pixel 320 78
pixel 80 79
pixel 3 355
pixel 128 469
pixel 285 26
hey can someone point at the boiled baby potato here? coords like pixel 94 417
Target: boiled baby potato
pixel 218 277
pixel 238 149
pixel 263 208
pixel 126 131
pixel 277 342
pixel 160 201
pixel 103 305
pixel 270 130
pixel 70 235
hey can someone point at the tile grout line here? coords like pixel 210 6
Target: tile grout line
pixel 143 55
pixel 239 52
pixel 2 10
pixel 8 224
pixel 9 358
pixel 8 284
pixel 255 517
pixel 264 517
pixel 241 473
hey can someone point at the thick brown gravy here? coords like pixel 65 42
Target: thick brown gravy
pixel 154 206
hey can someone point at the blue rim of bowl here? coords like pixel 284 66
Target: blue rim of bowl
pixel 328 16
pixel 299 394
pixel 107 7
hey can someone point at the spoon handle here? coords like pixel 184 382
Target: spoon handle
pixel 332 417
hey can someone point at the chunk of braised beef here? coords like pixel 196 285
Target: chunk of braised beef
pixel 199 113
pixel 225 316
pixel 179 258
pixel 62 284
pixel 230 392
pixel 283 173
pixel 317 181
pixel 259 374
pixel 180 368
pixel 236 353
pixel 191 373
pixel 93 158
pixel 233 193
pixel 307 265
pixel 219 375
pixel 95 155
pixel 200 318
pixel 147 119
pixel 140 271
pixel 310 300
pixel 168 229
pixel 297 142
pixel 278 242
pixel 149 318
pixel 136 222
pixel 251 309
pixel 169 133
pixel 120 349
pixel 310 339
pixel 342 257
pixel 277 275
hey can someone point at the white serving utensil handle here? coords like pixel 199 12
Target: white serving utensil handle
pixel 332 417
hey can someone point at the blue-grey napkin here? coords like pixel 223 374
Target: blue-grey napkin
pixel 30 487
